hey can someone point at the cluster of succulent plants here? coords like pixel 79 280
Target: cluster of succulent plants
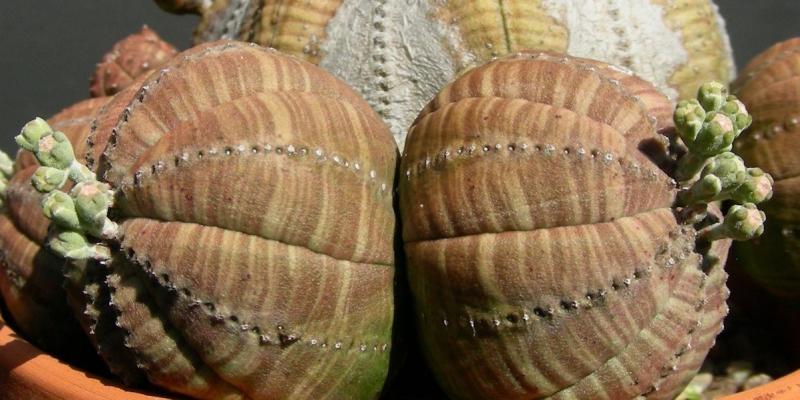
pixel 398 54
pixel 222 222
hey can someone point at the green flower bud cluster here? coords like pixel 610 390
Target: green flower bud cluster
pixel 726 177
pixel 708 126
pixel 742 222
pixel 6 170
pixel 77 215
pixel 52 150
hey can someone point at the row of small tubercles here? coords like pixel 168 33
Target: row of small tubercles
pixel 78 214
pixel 282 336
pixel 709 172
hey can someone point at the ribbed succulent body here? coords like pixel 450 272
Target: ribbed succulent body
pixel 398 54
pixel 546 252
pixel 253 256
pixel 136 55
pixel 770 87
pixel 31 278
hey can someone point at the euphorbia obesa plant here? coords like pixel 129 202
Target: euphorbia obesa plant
pixel 555 249
pixel 400 53
pixel 239 223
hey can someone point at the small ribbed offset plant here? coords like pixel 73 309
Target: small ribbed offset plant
pixel 770 86
pixel 555 248
pixel 400 53
pixel 234 234
pixel 31 277
pixel 136 55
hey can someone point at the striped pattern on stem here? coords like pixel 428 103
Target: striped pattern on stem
pixel 253 255
pixel 547 252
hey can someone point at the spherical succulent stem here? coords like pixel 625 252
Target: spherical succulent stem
pixel 84 211
pixel 742 222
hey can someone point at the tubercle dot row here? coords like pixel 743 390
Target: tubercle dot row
pixel 788 126
pixel 667 258
pixel 442 157
pixel 298 152
pixel 281 335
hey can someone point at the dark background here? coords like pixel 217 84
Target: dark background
pixel 48 48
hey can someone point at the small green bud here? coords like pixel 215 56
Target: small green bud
pixel 3 185
pixel 689 117
pixel 47 179
pixel 723 175
pixel 729 168
pixel 29 137
pixel 55 151
pixel 92 200
pixel 745 222
pixel 60 208
pixel 737 111
pixel 708 187
pixel 75 246
pixel 756 188
pixel 6 165
pixel 741 223
pixel 733 106
pixel 712 96
pixel 716 137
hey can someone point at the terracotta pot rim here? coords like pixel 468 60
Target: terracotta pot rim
pixel 28 373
